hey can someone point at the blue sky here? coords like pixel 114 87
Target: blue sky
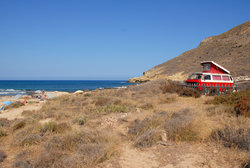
pixel 105 39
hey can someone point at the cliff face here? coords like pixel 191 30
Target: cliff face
pixel 230 50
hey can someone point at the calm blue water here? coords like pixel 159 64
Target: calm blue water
pixel 14 87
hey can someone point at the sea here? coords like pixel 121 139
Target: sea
pixel 23 87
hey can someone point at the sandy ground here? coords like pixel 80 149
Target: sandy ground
pixel 32 104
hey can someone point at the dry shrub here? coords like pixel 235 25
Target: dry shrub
pixel 81 120
pixel 240 101
pixel 148 132
pixel 22 164
pixel 53 127
pixel 27 136
pixel 171 87
pixel 90 147
pixel 101 101
pixel 232 136
pixel 94 153
pixel 186 125
pixel 2 133
pixel 151 87
pixel 4 122
pixel 49 159
pixel 243 107
pixel 175 87
pixel 18 125
pixel 27 113
pixel 2 156
pixel 149 138
pixel 147 106
pixel 246 164
pixel 189 92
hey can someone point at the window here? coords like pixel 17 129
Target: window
pixel 207 77
pixel 216 77
pixel 195 76
pixel 225 78
pixel 206 67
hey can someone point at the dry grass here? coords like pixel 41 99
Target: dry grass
pixel 71 131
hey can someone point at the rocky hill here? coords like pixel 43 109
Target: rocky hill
pixel 230 49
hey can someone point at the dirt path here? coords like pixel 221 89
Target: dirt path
pixel 170 155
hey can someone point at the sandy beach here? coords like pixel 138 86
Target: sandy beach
pixel 32 104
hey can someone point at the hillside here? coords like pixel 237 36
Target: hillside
pixel 230 49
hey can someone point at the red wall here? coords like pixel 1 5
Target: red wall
pixel 215 69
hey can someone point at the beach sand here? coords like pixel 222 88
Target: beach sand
pixel 32 104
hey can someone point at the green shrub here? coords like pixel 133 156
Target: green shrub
pixel 113 108
pixel 53 127
pixel 2 133
pixel 81 120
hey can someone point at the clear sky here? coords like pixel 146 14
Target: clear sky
pixel 105 39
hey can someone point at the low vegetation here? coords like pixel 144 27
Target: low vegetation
pixel 238 100
pixel 85 131
pixel 2 156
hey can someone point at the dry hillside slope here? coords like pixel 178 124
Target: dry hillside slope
pixel 230 49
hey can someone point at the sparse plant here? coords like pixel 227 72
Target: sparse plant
pixel 18 125
pixel 2 133
pixel 233 137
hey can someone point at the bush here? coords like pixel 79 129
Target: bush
pixel 22 164
pixel 101 101
pixel 113 108
pixel 240 101
pixel 147 106
pixel 171 87
pixel 4 122
pixel 189 92
pixel 246 164
pixel 180 128
pixel 149 138
pixel 18 125
pixel 2 156
pixel 243 107
pixel 2 133
pixel 89 147
pixel 233 137
pixel 53 127
pixel 80 120
pixel 175 87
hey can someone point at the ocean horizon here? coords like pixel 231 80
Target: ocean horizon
pixel 15 87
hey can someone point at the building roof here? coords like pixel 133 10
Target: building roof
pixel 224 69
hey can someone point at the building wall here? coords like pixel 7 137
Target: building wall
pixel 215 69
